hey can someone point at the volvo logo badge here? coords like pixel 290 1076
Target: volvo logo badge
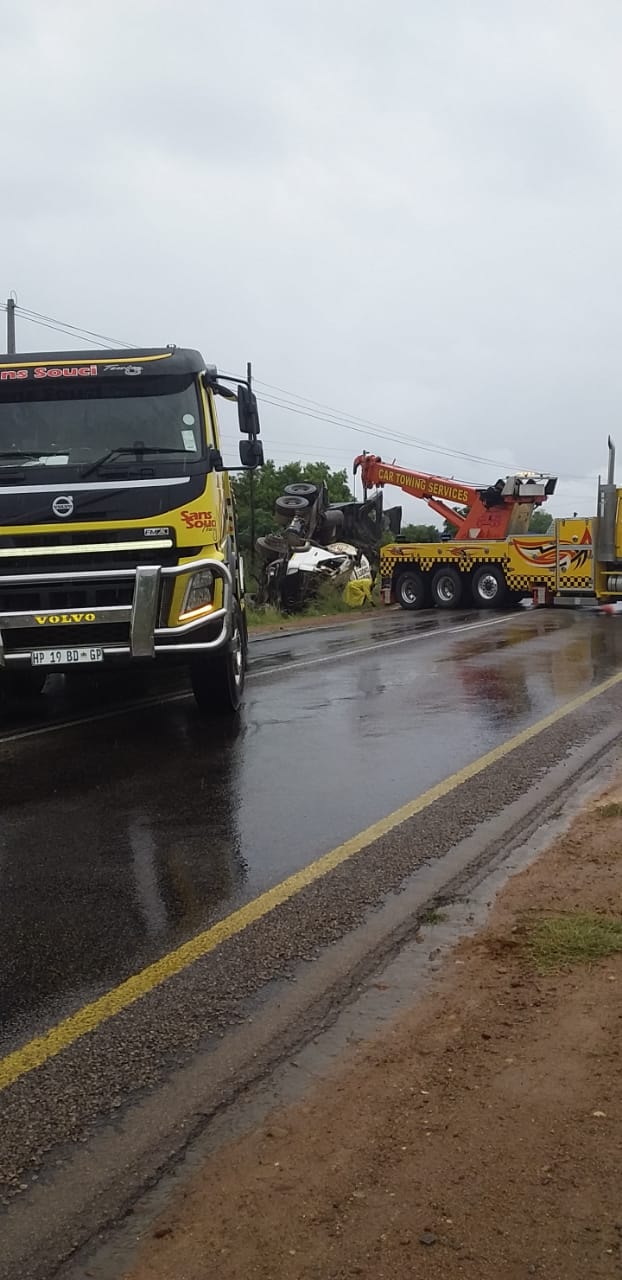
pixel 63 505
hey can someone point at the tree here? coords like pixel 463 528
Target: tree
pixel 414 533
pixel 540 522
pixel 269 482
pixel 448 527
pixel 420 533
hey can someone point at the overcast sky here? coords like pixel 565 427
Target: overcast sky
pixel 409 211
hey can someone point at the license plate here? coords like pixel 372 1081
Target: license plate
pixel 65 657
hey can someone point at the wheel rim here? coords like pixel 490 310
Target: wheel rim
pixel 488 587
pixel 409 592
pixel 446 589
pixel 237 656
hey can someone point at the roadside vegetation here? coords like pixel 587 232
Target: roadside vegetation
pixel 433 915
pixel 327 602
pixel 613 810
pixel 562 940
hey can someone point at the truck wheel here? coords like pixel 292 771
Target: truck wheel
pixel 447 588
pixel 218 678
pixel 290 505
pixel 302 490
pixel 489 587
pixel 411 589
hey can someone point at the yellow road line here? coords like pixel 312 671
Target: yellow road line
pixel 65 1033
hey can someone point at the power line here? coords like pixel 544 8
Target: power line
pixel 383 435
pixel 388 433
pixel 50 322
pixel 338 417
pixel 292 453
pixel 412 442
pixel 41 324
pixel 289 448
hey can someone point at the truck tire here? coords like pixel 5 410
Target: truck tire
pixel 489 587
pixel 290 505
pixel 411 589
pixel 447 588
pixel 302 490
pixel 218 678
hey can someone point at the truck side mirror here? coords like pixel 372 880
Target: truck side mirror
pixel 251 453
pixel 248 413
pixel 211 383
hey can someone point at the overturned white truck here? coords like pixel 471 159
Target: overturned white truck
pixel 319 540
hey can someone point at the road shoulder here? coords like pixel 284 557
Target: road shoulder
pixel 481 1135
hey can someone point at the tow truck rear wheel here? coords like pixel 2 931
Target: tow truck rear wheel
pixel 411 589
pixel 218 678
pixel 489 587
pixel 447 588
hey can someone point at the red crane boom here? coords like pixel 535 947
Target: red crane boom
pixel 492 512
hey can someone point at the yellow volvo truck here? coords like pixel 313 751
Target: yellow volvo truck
pixel 578 558
pixel 118 540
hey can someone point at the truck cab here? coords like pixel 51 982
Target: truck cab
pixel 118 541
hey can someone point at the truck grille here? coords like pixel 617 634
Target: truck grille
pixel 84 561
pixel 66 596
pixel 80 635
pixel 60 598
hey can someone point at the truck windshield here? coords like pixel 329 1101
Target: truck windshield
pixel 113 425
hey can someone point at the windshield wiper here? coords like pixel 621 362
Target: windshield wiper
pixel 28 453
pixel 138 451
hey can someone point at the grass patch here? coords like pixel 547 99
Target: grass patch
pixel 613 810
pixel 570 938
pixel 433 916
pixel 328 601
pixel 264 616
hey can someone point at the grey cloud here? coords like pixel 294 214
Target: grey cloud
pixel 410 211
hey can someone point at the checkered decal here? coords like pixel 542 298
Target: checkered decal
pixel 467 559
pixel 525 581
pixel 579 584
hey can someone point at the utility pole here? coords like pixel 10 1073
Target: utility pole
pixel 10 326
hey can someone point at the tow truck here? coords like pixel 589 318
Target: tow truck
pixel 118 542
pixel 492 560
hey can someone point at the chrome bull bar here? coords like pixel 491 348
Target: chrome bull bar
pixel 146 638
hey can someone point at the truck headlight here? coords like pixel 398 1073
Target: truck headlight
pixel 199 596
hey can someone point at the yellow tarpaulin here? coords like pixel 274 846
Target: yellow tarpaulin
pixel 358 593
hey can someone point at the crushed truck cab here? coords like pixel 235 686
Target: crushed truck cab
pixel 118 540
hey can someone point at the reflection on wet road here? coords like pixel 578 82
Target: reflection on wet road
pixel 123 836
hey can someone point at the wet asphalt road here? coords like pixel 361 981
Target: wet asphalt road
pixel 129 826
pixel 128 831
